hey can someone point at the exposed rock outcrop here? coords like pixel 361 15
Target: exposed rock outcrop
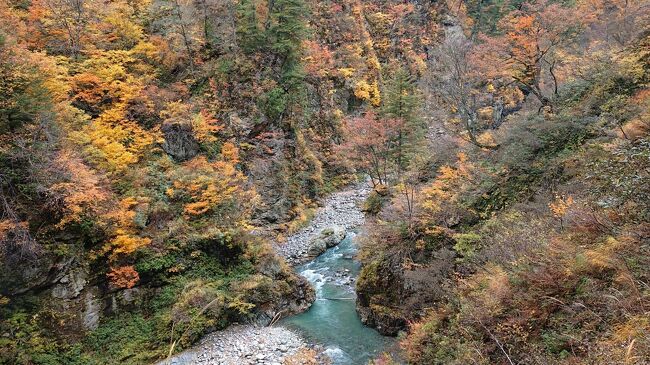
pixel 390 294
pixel 179 141
pixel 327 238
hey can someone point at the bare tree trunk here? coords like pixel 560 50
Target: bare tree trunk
pixel 551 70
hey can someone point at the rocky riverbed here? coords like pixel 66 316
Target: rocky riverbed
pixel 341 210
pixel 243 345
pixel 248 344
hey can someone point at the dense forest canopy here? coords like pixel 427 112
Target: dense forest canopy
pixel 154 153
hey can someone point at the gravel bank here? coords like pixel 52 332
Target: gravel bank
pixel 341 209
pixel 242 345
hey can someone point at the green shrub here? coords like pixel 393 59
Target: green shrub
pixel 374 202
pixel 128 338
pixel 466 245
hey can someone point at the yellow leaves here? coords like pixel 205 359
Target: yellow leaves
pixel 462 159
pixel 230 153
pixel 122 30
pixel 523 22
pixel 121 221
pixel 112 68
pixel 81 194
pixel 125 243
pixel 147 51
pixel 380 19
pixel 486 139
pixel 560 206
pixel 197 208
pixel 373 64
pixel 362 90
pixel 106 86
pixel 604 256
pixel 369 92
pixel 176 112
pixel 347 72
pixel 633 64
pixel 383 44
pixel 488 289
pixel 116 143
pixel 446 184
pixel 54 74
pixel 7 226
pixel 205 127
pixel 216 187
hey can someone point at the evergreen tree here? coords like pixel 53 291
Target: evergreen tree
pixel 287 30
pixel 251 36
pixel 401 102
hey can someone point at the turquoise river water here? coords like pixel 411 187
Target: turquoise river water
pixel 332 320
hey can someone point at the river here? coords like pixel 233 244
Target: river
pixel 332 320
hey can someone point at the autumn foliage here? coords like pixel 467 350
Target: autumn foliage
pixel 123 277
pixel 141 142
pixel 371 144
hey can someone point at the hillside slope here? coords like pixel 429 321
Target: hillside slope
pixel 152 151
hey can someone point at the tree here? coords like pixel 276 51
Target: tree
pixel 177 20
pixel 528 46
pixel 249 33
pixel 286 28
pixel 409 186
pixel 214 188
pixel 123 230
pixel 370 144
pixel 62 23
pixel 183 28
pixel 22 94
pixel 445 188
pixel 615 23
pixel 124 277
pixel 77 193
pixel 401 102
pixel 456 80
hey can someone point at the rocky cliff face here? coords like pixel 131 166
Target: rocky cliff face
pixel 72 292
pixel 392 291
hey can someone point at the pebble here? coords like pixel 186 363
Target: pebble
pixel 242 345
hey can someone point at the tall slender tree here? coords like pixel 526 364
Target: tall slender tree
pixel 401 102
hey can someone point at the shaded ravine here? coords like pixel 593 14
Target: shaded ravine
pixel 331 325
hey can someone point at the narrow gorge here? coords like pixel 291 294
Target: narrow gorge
pixel 324 253
pixel 312 182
